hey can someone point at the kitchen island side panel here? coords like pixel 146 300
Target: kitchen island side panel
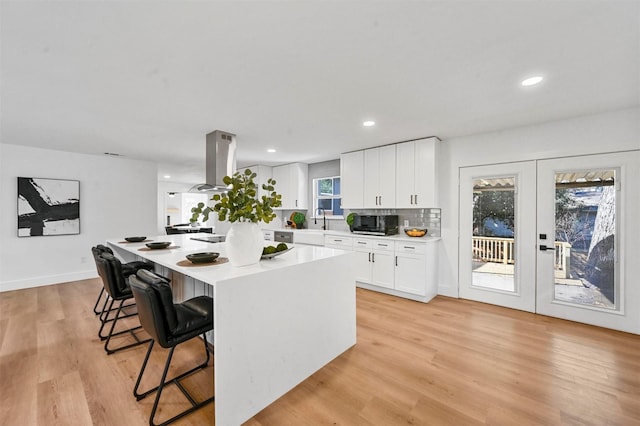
pixel 274 330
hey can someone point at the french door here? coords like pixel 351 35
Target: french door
pixel 558 237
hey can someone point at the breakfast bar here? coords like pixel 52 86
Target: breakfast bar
pixel 275 322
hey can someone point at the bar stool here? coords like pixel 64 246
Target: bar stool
pixel 169 324
pixel 117 287
pixel 128 268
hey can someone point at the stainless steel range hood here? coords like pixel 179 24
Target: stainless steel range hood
pixel 220 161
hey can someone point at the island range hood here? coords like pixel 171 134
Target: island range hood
pixel 220 161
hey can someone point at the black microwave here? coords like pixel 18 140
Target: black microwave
pixel 375 224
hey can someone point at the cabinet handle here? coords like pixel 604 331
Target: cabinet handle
pixel 360 242
pixel 411 198
pixel 409 247
pixel 383 245
pixel 296 203
pixel 373 257
pixel 369 256
pixel 415 197
pixel 337 241
pixel 396 260
pixel 381 200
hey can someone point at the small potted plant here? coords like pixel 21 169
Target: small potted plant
pixel 241 206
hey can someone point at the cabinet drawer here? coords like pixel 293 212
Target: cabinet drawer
pixel 359 243
pixel 383 245
pixel 342 242
pixel 409 247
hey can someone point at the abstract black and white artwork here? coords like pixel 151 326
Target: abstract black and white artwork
pixel 48 207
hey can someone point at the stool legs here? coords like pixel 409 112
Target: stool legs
pixel 112 334
pixel 163 381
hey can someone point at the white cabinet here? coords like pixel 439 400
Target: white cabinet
pixel 394 265
pixel 382 271
pixel 352 179
pixel 416 173
pixel 268 234
pixel 379 177
pixel 338 241
pixel 292 181
pixel 374 261
pixel 263 174
pixel 411 268
pixel 362 266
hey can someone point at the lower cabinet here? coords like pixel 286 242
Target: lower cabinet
pixel 399 267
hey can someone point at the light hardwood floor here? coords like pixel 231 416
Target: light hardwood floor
pixel 448 362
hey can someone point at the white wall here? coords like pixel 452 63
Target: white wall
pixel 117 198
pixel 609 132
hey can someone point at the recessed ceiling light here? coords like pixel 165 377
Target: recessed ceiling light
pixel 369 123
pixel 531 81
pixel 167 176
pixel 271 150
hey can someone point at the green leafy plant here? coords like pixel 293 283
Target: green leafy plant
pixel 240 203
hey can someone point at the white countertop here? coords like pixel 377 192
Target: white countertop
pixel 401 236
pixel 397 237
pixel 216 272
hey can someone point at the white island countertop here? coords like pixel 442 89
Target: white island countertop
pixel 275 322
pixel 183 244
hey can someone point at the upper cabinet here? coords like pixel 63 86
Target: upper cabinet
pixel 416 173
pixel 379 177
pixel 352 179
pixel 402 175
pixel 264 173
pixel 292 183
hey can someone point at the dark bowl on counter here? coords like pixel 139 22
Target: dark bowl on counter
pixel 204 257
pixel 159 245
pixel 135 239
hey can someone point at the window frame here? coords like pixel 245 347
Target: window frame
pixel 317 196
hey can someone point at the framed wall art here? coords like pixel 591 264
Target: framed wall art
pixel 48 207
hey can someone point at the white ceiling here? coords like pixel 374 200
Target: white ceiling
pixel 148 79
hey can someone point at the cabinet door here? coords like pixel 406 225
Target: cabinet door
pixel 426 173
pixel 387 176
pixel 299 183
pixel 411 274
pixel 371 178
pixel 352 179
pixel 281 176
pixel 405 175
pixel 362 265
pixel 382 270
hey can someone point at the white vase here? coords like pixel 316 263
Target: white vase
pixel 244 243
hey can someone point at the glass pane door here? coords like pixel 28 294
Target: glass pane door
pixel 588 234
pixel 585 243
pixel 493 241
pixel 497 234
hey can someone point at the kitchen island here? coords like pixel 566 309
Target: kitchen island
pixel 275 323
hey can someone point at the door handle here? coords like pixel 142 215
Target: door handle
pixel 545 248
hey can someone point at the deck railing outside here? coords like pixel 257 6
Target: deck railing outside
pixel 501 250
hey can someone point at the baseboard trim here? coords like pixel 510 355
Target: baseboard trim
pixel 46 280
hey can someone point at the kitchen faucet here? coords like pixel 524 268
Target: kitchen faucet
pixel 324 218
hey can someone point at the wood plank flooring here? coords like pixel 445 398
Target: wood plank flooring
pixel 448 362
